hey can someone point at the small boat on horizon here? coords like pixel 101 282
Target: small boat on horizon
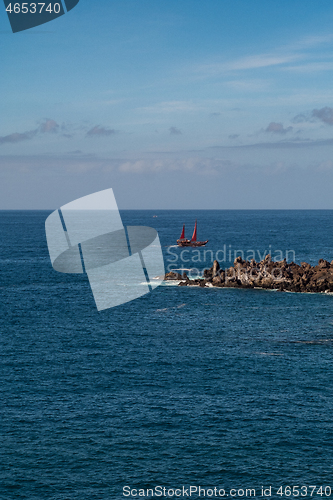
pixel 183 242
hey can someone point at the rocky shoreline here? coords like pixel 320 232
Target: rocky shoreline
pixel 267 274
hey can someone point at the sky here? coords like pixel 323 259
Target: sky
pixel 210 104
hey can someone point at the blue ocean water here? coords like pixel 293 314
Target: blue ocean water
pixel 185 386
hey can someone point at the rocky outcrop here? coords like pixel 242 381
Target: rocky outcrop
pixel 280 275
pixel 173 276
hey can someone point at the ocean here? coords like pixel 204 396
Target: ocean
pixel 184 387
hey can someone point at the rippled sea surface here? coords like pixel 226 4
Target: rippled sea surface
pixel 184 386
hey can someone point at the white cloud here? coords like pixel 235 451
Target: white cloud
pixel 284 57
pixel 171 107
pixel 49 126
pixel 201 166
pixel 311 67
pixel 277 128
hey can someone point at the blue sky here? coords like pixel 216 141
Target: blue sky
pixel 191 104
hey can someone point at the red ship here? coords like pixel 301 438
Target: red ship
pixel 183 242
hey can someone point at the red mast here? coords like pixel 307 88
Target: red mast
pixel 182 236
pixel 194 237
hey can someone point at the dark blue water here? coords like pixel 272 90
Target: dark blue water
pixel 185 386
